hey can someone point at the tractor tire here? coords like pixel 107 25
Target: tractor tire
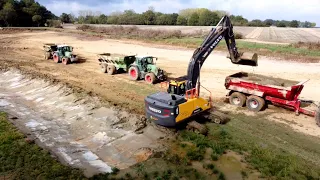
pixel 237 99
pixel 65 61
pixel 47 55
pixel 318 116
pixel 104 68
pixel 56 58
pixel 111 69
pixel 150 78
pixel 134 73
pixel 255 103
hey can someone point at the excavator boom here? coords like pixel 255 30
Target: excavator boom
pixel 223 29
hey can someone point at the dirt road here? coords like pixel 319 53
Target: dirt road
pixel 24 50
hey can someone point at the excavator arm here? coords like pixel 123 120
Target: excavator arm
pixel 223 29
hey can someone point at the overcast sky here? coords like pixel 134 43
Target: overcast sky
pixel 251 9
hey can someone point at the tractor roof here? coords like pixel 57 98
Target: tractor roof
pixel 62 45
pixel 142 56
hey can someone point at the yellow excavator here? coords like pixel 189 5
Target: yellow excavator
pixel 182 100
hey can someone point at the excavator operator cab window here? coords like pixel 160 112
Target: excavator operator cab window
pixel 177 89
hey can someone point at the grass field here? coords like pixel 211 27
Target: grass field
pixel 22 160
pixel 291 51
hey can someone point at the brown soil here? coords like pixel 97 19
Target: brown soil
pixel 23 50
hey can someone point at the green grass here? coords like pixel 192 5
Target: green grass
pixel 260 48
pixel 20 160
pixel 273 149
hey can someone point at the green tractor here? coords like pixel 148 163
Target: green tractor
pixel 138 67
pixel 59 53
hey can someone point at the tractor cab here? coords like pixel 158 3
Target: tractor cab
pixel 64 50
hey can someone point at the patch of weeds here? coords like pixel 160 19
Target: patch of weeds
pixel 183 145
pixel 244 174
pixel 196 154
pixel 214 157
pixel 128 176
pixel 221 176
pixel 210 166
pixel 115 170
pixel 140 169
pixel 215 171
pixel 155 174
pixel 146 175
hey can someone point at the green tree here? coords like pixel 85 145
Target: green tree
pixel 8 14
pixel 313 24
pixel 256 23
pixel 65 18
pixel 193 20
pixel 102 19
pixel 149 17
pixel 281 24
pixel 36 19
pixel 182 21
pixel 294 23
pixel 208 18
pixel 238 20
pixel 268 22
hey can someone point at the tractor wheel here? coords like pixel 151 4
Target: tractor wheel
pixel 111 69
pixel 255 103
pixel 56 58
pixel 104 68
pixel 65 60
pixel 150 78
pixel 237 99
pixel 318 116
pixel 47 55
pixel 134 73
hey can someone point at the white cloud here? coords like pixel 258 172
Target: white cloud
pixel 251 9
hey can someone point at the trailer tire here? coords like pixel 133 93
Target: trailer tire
pixel 104 68
pixel 237 99
pixel 150 78
pixel 56 58
pixel 134 73
pixel 65 61
pixel 111 69
pixel 255 103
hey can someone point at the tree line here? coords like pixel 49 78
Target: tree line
pixel 31 13
pixel 186 17
pixel 23 13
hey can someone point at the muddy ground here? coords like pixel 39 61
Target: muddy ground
pixel 23 51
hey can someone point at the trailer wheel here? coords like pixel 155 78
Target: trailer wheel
pixel 65 60
pixel 150 78
pixel 134 73
pixel 237 99
pixel 111 69
pixel 56 58
pixel 104 68
pixel 255 103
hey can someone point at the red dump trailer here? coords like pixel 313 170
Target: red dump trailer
pixel 255 92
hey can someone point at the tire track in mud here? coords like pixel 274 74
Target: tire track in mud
pixel 78 130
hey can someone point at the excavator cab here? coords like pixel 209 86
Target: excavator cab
pixel 177 87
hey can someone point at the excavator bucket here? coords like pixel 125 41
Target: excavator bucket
pixel 248 59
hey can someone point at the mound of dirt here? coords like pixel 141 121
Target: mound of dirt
pixel 268 80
